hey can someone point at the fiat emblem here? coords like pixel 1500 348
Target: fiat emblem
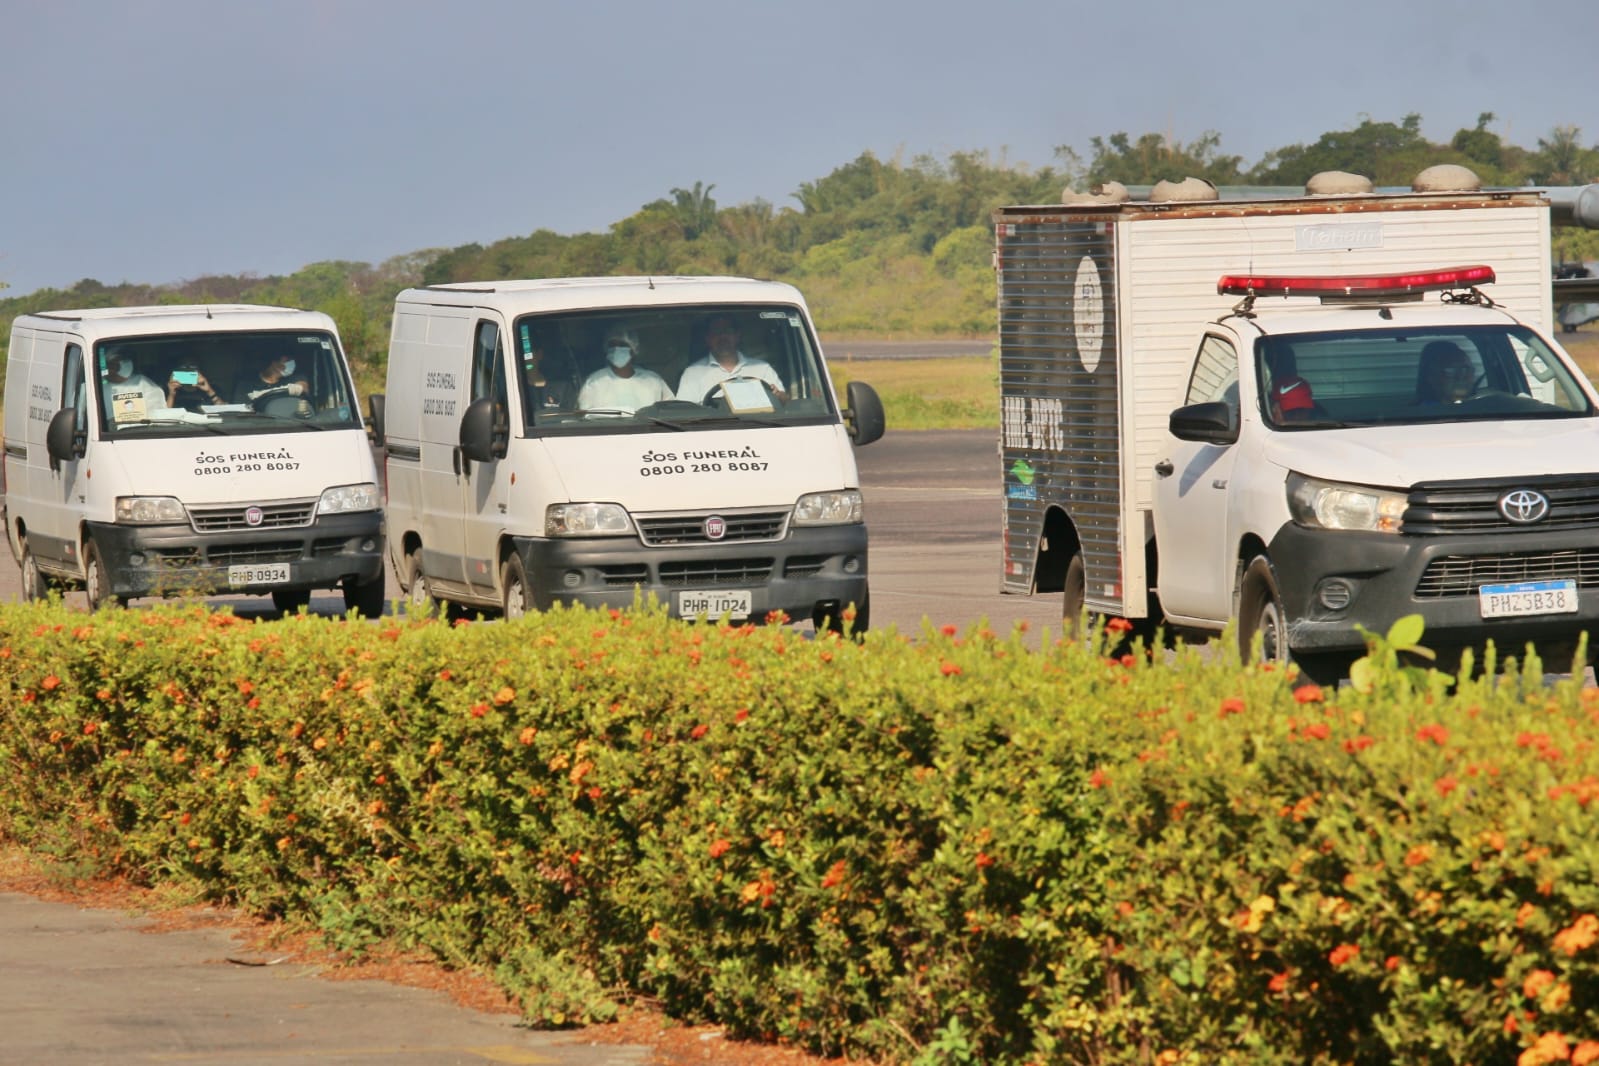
pixel 252 516
pixel 715 527
pixel 1524 506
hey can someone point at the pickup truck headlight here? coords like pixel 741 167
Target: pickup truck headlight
pixel 1330 505
pixel 150 510
pixel 343 499
pixel 586 520
pixel 840 508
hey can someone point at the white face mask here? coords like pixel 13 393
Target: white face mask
pixel 288 367
pixel 620 356
pixel 122 368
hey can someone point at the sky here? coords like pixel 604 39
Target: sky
pixel 163 140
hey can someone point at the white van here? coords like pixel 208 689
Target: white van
pixel 525 468
pixel 153 451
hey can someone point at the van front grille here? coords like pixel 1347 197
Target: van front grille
pixel 285 514
pixel 665 530
pixel 1459 575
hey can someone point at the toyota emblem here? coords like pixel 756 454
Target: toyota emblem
pixel 252 516
pixel 715 527
pixel 1524 506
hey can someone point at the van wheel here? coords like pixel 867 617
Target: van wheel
pixel 420 596
pixel 514 596
pixel 365 598
pixel 34 586
pixel 289 601
pixel 96 582
pixel 1260 611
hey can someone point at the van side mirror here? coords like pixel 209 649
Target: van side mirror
pixel 484 435
pixel 374 423
pixel 864 415
pixel 62 438
pixel 1207 423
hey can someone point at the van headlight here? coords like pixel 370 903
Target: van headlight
pixel 1330 505
pixel 586 520
pixel 840 508
pixel 150 510
pixel 343 499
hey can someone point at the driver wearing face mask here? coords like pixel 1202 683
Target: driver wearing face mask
pixel 621 386
pixel 128 394
pixel 277 373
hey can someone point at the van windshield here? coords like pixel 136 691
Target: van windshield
pixel 235 383
pixel 668 369
pixel 1385 377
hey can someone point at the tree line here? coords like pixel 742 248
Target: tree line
pixel 884 247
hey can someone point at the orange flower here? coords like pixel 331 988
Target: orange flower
pixel 1307 694
pixel 1342 953
pixel 1445 785
pixel 527 735
pixel 1118 625
pixel 50 682
pixel 479 710
pixel 1278 982
pixel 1392 963
pixel 504 696
pixel 719 848
pixel 1435 733
pixel 1535 982
pixel 1360 743
pixel 1098 779
pixel 835 874
pixel 1232 705
pixel 948 668
pixel 1317 731
pixel 1580 934
pixel 1585 1053
pixel 1418 855
pixel 699 731
pixel 984 859
pixel 948 631
pixel 1549 1047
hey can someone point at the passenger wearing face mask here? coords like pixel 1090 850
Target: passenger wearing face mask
pixel 128 394
pixel 620 385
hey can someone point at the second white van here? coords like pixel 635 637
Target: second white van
pixel 585 440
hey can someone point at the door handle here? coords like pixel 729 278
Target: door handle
pixel 1164 468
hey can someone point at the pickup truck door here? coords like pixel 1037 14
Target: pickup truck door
pixel 1196 568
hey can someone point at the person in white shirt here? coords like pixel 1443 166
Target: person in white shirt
pixel 129 395
pixel 724 361
pixel 621 385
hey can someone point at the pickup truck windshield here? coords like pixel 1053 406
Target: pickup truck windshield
pixel 1384 377
pixel 235 383
pixel 667 370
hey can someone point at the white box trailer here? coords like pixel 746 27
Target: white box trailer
pixel 1102 307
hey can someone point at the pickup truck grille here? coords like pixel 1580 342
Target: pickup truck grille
pixel 1473 506
pixel 1459 575
pixel 666 530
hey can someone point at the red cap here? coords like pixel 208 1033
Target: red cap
pixel 1292 394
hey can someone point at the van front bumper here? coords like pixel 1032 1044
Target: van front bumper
pixel 166 560
pixel 812 568
pixel 1387 576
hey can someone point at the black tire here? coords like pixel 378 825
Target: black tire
pixel 1260 612
pixel 419 596
pixel 34 585
pixel 514 598
pixel 289 601
pixel 96 582
pixel 365 598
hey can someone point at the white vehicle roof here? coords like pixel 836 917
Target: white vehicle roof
pixel 570 294
pixel 1299 314
pixel 97 322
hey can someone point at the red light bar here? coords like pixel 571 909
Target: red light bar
pixel 1354 284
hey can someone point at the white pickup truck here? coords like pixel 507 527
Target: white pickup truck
pixel 1308 415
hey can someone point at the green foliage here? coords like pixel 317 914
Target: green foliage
pixel 949 849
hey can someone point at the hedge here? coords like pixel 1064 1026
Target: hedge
pixel 948 848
